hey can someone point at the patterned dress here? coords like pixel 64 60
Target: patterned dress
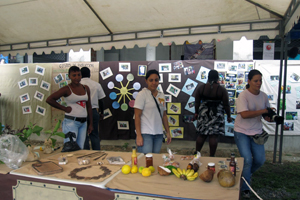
pixel 211 117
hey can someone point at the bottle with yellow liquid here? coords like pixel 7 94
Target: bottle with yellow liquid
pixel 133 157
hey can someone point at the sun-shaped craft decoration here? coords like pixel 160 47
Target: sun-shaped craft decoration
pixel 124 92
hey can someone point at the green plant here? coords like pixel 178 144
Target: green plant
pixel 125 145
pixel 54 132
pixel 27 131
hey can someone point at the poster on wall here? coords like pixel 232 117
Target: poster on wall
pixel 268 50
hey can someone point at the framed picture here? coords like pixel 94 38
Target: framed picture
pixel 174 77
pixel 39 96
pixel 26 109
pixel 62 84
pixel 67 77
pixel 164 67
pixel 40 110
pixel 106 73
pixel 24 97
pixel 177 65
pixel 45 85
pixel 142 69
pixel 173 90
pixel 40 70
pixel 124 67
pixel 123 125
pixel 33 81
pixel 58 78
pixel 168 98
pixel 24 70
pixel 22 83
pixel 159 88
pixel 176 132
pixel 106 113
pixel 174 108
pixel 161 78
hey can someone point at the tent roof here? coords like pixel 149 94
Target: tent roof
pixel 29 26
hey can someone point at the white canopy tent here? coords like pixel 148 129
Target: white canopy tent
pixel 29 26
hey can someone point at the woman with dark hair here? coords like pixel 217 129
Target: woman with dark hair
pixel 211 100
pixel 77 97
pixel 150 116
pixel 251 104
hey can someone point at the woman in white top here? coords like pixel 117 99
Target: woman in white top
pixel 149 121
pixel 77 97
pixel 251 104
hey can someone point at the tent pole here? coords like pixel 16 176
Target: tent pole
pixel 283 100
pixel 279 88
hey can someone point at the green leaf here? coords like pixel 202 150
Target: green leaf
pixel 60 134
pixel 37 129
pixel 28 133
pixel 53 142
pixel 19 134
pixel 48 132
pixel 57 126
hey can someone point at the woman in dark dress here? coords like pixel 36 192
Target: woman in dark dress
pixel 210 103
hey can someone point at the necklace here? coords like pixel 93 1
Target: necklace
pixel 73 173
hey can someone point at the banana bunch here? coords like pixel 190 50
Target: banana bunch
pixel 189 174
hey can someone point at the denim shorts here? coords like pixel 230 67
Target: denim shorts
pixel 152 143
pixel 78 128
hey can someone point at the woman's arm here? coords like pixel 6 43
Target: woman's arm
pixel 137 122
pixel 52 99
pixel 225 99
pixel 166 125
pixel 89 110
pixel 251 114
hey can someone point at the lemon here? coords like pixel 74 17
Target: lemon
pixel 146 172
pixel 126 169
pixel 152 169
pixel 134 169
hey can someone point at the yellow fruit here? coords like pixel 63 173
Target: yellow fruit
pixel 134 169
pixel 146 172
pixel 191 173
pixel 152 169
pixel 179 170
pixel 126 169
pixel 176 173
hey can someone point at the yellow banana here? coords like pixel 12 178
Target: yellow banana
pixel 183 172
pixel 179 170
pixel 195 175
pixel 191 173
pixel 187 171
pixel 190 178
pixel 176 173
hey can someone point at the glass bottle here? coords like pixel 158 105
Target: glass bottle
pixel 133 157
pixel 232 164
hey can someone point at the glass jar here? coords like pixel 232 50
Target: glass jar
pixel 149 160
pixel 211 166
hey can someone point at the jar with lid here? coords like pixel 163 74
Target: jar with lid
pixel 211 166
pixel 149 160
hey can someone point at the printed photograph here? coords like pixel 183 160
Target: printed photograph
pixel 232 67
pixel 40 110
pixel 24 70
pixel 249 66
pixel 232 102
pixel 190 86
pixel 40 70
pixel 39 96
pixel 295 77
pixel 222 77
pixel 161 78
pixel 242 66
pixel 271 97
pixel 173 90
pixel 123 125
pixel 288 126
pixel 274 78
pixel 106 73
pixel 33 81
pixel 159 88
pixel 240 74
pixel 232 110
pixel 26 109
pixel 188 118
pixel 297 104
pixel 58 78
pixel 230 85
pixel 106 113
pixel 220 66
pixel 62 84
pixel 172 121
pixel 176 132
pixel 191 104
pixel 24 97
pixel 164 67
pixel 124 67
pixel 174 77
pixel 291 115
pixel 168 98
pixel 45 85
pixel 174 108
pixel 142 69
pixel 67 77
pixel 23 83
pixel 240 87
pixel 178 65
pixel 231 77
pixel 231 93
pixel 188 70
